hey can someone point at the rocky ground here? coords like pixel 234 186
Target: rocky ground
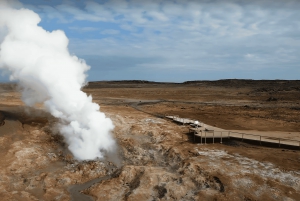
pixel 160 161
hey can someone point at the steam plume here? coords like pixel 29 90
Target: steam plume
pixel 40 61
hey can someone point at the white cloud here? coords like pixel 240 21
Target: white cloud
pixel 53 13
pixel 79 14
pixel 110 31
pixel 194 34
pixel 158 15
pixel 128 27
pixel 83 29
pixel 249 56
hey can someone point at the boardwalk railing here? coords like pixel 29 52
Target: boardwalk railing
pixel 215 134
pixel 262 138
pixel 211 134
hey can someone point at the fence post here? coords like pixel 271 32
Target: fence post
pixel 260 139
pixel 222 133
pixel 194 136
pixel 201 137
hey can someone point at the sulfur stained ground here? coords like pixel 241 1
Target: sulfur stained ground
pixel 160 160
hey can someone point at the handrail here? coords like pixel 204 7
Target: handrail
pixel 275 138
pixel 267 139
pixel 229 133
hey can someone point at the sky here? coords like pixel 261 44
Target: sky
pixel 178 40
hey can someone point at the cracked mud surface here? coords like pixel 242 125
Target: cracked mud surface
pixel 160 160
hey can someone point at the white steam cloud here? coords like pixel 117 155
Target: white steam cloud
pixel 40 61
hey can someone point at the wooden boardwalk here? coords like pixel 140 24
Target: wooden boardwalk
pixel 206 132
pixel 180 120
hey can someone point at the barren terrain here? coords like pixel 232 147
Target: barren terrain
pixel 160 161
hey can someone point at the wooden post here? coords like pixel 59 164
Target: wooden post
pixel 201 137
pixel 221 137
pixel 213 137
pixel 260 139
pixel 194 136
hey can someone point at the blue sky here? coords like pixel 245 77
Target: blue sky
pixel 179 40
